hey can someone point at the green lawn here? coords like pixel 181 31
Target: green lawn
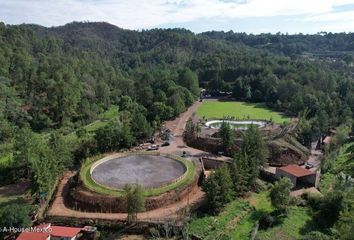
pixel 239 110
pixel 111 113
pixel 290 228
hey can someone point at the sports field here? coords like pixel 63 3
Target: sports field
pixel 240 111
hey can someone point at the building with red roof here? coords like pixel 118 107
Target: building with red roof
pixel 33 236
pixel 48 232
pixel 298 175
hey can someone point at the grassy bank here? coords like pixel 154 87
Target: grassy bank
pixel 236 221
pixel 90 184
pixel 291 227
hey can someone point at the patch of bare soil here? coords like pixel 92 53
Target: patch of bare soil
pixel 14 189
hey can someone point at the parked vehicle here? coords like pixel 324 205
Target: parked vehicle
pixel 308 165
pixel 165 144
pixel 152 147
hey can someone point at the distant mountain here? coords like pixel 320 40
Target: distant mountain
pixel 102 63
pixel 319 44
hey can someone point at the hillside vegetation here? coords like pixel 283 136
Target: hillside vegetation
pixel 72 92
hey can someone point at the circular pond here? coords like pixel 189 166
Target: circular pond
pixel 241 125
pixel 149 171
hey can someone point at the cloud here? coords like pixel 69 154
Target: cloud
pixel 331 17
pixel 138 14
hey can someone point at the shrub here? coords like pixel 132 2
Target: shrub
pixel 316 236
pixel 266 221
pixel 312 200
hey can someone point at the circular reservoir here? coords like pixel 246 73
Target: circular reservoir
pixel 150 171
pixel 241 125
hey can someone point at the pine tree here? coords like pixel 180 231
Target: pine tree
pixel 254 145
pixel 135 200
pixel 226 135
pixel 24 148
pixel 218 188
pixel 239 175
pixel 280 194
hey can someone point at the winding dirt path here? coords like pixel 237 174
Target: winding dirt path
pixel 177 127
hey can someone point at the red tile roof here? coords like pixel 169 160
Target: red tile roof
pixel 33 236
pixel 296 170
pixel 57 231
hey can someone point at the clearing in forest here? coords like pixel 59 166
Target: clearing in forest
pixel 239 111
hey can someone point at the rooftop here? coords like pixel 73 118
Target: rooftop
pixel 46 230
pixel 57 231
pixel 296 170
pixel 33 236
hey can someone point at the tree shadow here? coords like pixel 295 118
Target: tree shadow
pixel 313 225
pixel 309 226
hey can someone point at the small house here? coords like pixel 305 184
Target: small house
pixel 298 176
pixel 49 232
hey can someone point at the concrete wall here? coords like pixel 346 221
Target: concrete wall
pixel 311 179
pixel 206 144
pixel 280 173
pixel 212 163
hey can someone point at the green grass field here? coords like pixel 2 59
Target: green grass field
pixel 240 111
pixel 104 118
pixel 344 161
pixel 290 228
pixel 261 204
pixel 214 227
pixel 236 221
pixel 93 186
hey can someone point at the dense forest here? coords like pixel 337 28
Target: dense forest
pixel 323 43
pixel 71 92
pixel 56 80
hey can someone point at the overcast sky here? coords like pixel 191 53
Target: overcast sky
pixel 251 16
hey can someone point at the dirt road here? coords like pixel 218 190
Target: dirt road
pixel 177 127
pixel 59 209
